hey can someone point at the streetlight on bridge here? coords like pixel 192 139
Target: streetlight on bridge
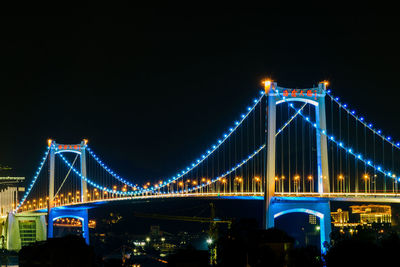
pixel 296 183
pixel 366 182
pixel 277 184
pixel 341 182
pixel 311 181
pixel 224 183
pixel 256 183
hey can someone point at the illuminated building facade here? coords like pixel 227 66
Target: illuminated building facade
pixel 373 214
pixel 9 188
pixel 362 215
pixel 340 218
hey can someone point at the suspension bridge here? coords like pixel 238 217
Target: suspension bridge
pixel 296 149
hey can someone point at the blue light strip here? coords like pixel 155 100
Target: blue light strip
pixel 90 182
pixel 133 193
pixel 130 193
pixel 115 175
pixel 251 156
pixel 248 158
pixel 228 172
pixel 290 120
pixel 180 175
pixel 203 157
pixel 347 150
pixel 362 121
pixel 194 164
pixel 152 189
pixel 33 180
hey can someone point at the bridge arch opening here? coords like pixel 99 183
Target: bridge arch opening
pixel 321 211
pixel 307 230
pixel 69 216
pixel 66 225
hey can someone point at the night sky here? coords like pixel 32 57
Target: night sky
pixel 152 89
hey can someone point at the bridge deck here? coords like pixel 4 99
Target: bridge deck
pixel 345 197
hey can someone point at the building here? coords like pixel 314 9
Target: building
pixel 370 214
pixel 340 218
pixel 9 188
pixel 362 215
pixel 17 230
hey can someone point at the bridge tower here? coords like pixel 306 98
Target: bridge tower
pixel 79 212
pixel 275 206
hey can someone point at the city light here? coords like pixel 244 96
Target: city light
pixel 209 241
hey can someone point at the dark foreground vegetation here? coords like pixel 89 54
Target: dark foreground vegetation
pixel 68 251
pixel 243 245
pixel 366 248
pixel 246 245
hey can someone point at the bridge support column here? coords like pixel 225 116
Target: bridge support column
pixel 269 177
pixel 315 206
pixel 83 173
pixel 51 176
pixel 80 214
pixel 322 143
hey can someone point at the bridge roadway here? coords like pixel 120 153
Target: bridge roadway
pixel 282 197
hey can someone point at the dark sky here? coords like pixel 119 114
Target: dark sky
pixel 151 89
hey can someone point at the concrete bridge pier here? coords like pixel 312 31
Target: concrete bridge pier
pixel 64 212
pixel 315 206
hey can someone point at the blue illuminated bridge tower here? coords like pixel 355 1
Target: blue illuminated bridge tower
pixel 276 206
pixel 80 212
